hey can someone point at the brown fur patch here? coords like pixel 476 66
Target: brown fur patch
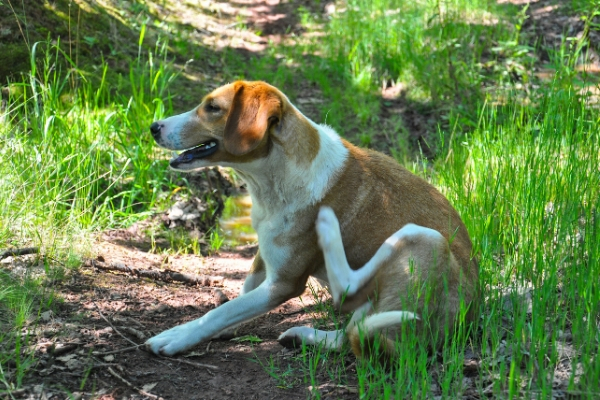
pixel 253 110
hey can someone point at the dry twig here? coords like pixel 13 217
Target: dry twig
pixel 19 252
pixel 115 329
pixel 124 350
pixel 194 364
pixel 129 384
pixel 165 275
pixel 58 349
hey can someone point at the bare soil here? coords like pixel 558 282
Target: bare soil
pixel 85 345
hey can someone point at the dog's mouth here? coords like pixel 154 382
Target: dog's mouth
pixel 201 151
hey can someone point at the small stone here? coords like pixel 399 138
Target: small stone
pixel 74 364
pixel 46 315
pixel 66 358
pixel 161 309
pixel 175 213
pixel 190 216
pixel 329 8
pixel 220 297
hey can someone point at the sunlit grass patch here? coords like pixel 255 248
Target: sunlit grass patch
pixel 524 182
pixel 75 159
pixel 74 153
pixel 436 50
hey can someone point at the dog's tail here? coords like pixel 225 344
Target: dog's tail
pixel 362 334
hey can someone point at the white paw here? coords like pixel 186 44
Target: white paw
pixel 293 337
pixel 328 228
pixel 175 340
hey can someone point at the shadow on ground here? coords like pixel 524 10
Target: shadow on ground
pixel 85 345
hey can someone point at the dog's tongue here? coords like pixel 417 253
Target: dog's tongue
pixel 201 151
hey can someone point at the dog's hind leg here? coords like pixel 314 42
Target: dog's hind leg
pixel 343 280
pixel 414 257
pixel 297 335
pixel 362 333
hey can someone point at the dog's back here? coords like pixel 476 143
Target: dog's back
pixel 379 196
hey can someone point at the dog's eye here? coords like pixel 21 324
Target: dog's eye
pixel 210 107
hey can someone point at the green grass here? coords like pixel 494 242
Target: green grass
pixel 76 160
pixel 539 228
pixel 17 303
pixel 525 186
pixel 442 53
pixel 517 157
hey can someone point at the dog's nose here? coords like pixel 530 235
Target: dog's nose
pixel 155 130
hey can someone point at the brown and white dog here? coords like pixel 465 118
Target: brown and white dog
pixel 389 245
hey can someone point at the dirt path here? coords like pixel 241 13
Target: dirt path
pixel 84 347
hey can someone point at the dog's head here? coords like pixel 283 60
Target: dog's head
pixel 231 125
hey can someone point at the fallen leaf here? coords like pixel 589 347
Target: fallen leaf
pixel 149 386
pixel 46 315
pixel 66 358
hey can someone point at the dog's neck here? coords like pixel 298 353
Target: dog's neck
pixel 293 180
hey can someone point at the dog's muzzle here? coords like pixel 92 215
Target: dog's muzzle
pixel 197 152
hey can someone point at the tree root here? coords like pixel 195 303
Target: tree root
pixel 19 252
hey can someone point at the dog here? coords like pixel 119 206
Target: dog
pixel 389 245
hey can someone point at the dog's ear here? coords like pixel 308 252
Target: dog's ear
pixel 253 111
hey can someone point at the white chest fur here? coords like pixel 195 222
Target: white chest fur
pixel 281 187
pixel 271 228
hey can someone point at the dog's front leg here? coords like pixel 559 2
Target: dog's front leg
pixel 255 277
pixel 265 297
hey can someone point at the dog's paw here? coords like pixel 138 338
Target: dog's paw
pixel 328 228
pixel 293 337
pixel 296 336
pixel 174 340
